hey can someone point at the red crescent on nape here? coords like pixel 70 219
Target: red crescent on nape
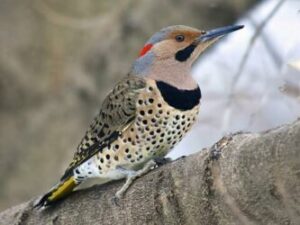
pixel 145 49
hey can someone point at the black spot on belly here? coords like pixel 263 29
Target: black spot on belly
pixel 179 99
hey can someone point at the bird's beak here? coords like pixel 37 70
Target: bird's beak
pixel 218 32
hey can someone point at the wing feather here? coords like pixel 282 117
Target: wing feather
pixel 117 112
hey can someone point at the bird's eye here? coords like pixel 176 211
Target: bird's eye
pixel 179 38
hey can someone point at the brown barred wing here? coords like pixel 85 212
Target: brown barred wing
pixel 117 112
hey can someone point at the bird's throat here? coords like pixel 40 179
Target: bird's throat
pixel 179 99
pixel 168 70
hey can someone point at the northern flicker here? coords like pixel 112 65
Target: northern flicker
pixel 145 115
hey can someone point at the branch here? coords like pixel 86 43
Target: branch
pixel 252 41
pixel 243 179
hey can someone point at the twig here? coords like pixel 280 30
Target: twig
pixel 245 57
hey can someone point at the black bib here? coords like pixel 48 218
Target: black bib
pixel 179 99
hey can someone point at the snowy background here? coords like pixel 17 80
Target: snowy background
pixel 265 94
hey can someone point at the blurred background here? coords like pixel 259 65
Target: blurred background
pixel 58 59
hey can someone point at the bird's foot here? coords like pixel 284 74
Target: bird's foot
pixel 116 200
pixel 120 193
pixel 131 176
pixel 162 161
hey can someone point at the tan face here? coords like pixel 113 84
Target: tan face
pixel 168 55
pixel 178 40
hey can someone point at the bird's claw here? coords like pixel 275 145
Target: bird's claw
pixel 162 161
pixel 116 200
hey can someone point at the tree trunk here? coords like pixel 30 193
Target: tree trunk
pixel 243 179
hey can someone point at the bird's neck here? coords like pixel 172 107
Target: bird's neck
pixel 169 71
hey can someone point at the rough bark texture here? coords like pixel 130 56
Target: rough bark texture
pixel 243 179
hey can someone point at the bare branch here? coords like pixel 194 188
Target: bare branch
pixel 243 62
pixel 243 179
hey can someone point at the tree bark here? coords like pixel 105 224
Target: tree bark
pixel 243 179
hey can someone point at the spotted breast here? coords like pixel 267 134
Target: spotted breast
pixel 164 115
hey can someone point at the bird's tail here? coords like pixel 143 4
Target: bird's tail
pixel 58 192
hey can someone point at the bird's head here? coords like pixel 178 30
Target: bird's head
pixel 176 47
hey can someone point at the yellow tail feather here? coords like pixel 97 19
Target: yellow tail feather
pixel 62 190
pixel 58 192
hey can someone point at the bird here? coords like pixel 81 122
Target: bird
pixel 145 115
